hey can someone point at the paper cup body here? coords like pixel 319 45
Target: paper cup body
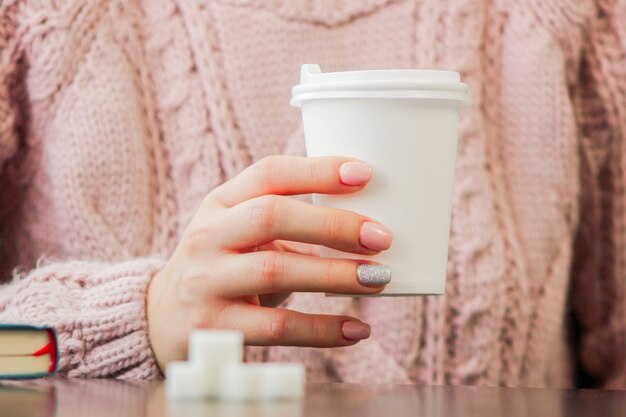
pixel 410 142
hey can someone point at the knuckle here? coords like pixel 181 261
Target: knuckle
pixel 316 171
pixel 195 243
pixel 328 273
pixel 214 199
pixel 266 171
pixel 209 199
pixel 188 286
pixel 264 211
pixel 268 269
pixel 332 224
pixel 318 328
pixel 203 317
pixel 277 330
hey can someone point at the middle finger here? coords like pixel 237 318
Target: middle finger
pixel 270 217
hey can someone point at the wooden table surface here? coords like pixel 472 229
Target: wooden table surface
pixel 95 398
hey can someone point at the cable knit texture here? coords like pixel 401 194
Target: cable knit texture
pixel 117 117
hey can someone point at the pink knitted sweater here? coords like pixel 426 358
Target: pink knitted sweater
pixel 118 116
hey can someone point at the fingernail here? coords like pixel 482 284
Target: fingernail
pixel 355 173
pixel 373 275
pixel 375 236
pixel 353 330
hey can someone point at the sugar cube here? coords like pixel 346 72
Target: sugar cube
pixel 185 381
pixel 210 350
pixel 282 381
pixel 262 382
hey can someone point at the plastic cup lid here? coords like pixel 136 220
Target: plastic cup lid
pixel 411 84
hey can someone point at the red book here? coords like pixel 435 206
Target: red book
pixel 27 351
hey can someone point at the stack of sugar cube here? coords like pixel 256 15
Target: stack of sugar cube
pixel 216 371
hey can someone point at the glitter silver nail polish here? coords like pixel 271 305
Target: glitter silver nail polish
pixel 373 275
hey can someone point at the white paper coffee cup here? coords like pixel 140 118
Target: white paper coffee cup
pixel 403 123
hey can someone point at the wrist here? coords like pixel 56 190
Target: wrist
pixel 153 305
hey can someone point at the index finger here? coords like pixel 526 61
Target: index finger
pixel 293 175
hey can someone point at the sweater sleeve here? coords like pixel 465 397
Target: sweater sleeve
pixel 598 291
pixel 98 311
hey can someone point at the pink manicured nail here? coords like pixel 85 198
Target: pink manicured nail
pixel 375 236
pixel 355 173
pixel 353 330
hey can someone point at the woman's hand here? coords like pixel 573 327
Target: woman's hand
pixel 249 246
